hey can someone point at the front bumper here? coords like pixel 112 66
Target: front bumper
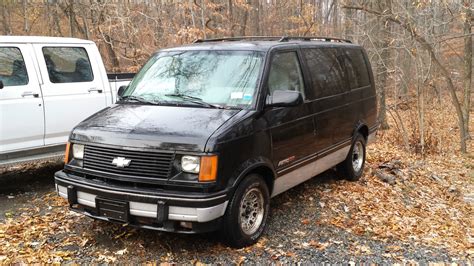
pixel 152 209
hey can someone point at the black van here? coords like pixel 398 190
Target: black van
pixel 207 133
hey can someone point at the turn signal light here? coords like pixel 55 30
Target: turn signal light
pixel 208 170
pixel 66 154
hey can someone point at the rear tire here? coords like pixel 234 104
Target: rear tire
pixel 247 213
pixel 353 166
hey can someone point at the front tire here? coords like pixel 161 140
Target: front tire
pixel 353 166
pixel 247 213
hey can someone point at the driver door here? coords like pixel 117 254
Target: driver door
pixel 291 128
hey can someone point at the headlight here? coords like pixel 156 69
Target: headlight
pixel 78 151
pixel 191 164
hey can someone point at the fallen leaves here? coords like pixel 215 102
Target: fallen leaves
pixel 406 196
pixel 318 245
pixel 121 252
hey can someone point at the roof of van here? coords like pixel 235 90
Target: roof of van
pixel 258 45
pixel 42 39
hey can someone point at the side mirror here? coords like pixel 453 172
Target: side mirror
pixel 285 98
pixel 1 84
pixel 121 90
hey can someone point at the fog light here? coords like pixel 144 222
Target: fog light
pixel 187 225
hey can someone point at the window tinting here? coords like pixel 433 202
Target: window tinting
pixel 285 73
pixel 326 72
pixel 357 73
pixel 67 64
pixel 12 67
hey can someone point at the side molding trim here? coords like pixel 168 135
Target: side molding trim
pixel 299 175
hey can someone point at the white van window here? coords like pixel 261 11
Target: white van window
pixel 285 73
pixel 67 64
pixel 12 67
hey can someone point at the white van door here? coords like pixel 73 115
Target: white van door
pixel 21 104
pixel 72 87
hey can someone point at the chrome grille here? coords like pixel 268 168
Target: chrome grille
pixel 143 164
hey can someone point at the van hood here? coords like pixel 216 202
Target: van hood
pixel 153 126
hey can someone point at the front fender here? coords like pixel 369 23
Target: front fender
pixel 260 165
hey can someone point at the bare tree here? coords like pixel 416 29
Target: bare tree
pixel 6 17
pixel 404 23
pixel 467 30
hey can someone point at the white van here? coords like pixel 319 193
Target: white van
pixel 47 86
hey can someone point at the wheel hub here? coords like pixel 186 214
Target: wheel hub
pixel 357 156
pixel 251 211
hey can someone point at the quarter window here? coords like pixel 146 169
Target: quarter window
pixel 285 73
pixel 357 72
pixel 12 67
pixel 326 72
pixel 67 64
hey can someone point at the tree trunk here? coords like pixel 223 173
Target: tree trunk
pixel 203 20
pixel 86 26
pixel 256 16
pixel 6 18
pixel 191 10
pixel 243 26
pixel 70 9
pixel 26 27
pixel 230 17
pixel 467 64
pixel 348 27
pixel 56 19
pixel 335 18
pixel 384 48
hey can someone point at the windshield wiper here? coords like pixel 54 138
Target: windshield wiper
pixel 194 99
pixel 138 99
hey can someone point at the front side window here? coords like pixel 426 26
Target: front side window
pixel 217 78
pixel 67 64
pixel 285 73
pixel 12 67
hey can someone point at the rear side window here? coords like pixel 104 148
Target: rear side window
pixel 67 64
pixel 326 72
pixel 285 73
pixel 12 67
pixel 357 71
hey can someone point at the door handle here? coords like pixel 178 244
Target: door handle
pixel 94 89
pixel 30 93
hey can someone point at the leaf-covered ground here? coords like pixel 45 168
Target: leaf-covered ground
pixel 407 207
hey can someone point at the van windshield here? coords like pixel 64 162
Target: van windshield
pixel 207 78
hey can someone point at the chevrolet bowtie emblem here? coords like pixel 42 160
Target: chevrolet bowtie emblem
pixel 121 162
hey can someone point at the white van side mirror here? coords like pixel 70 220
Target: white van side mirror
pixel 1 84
